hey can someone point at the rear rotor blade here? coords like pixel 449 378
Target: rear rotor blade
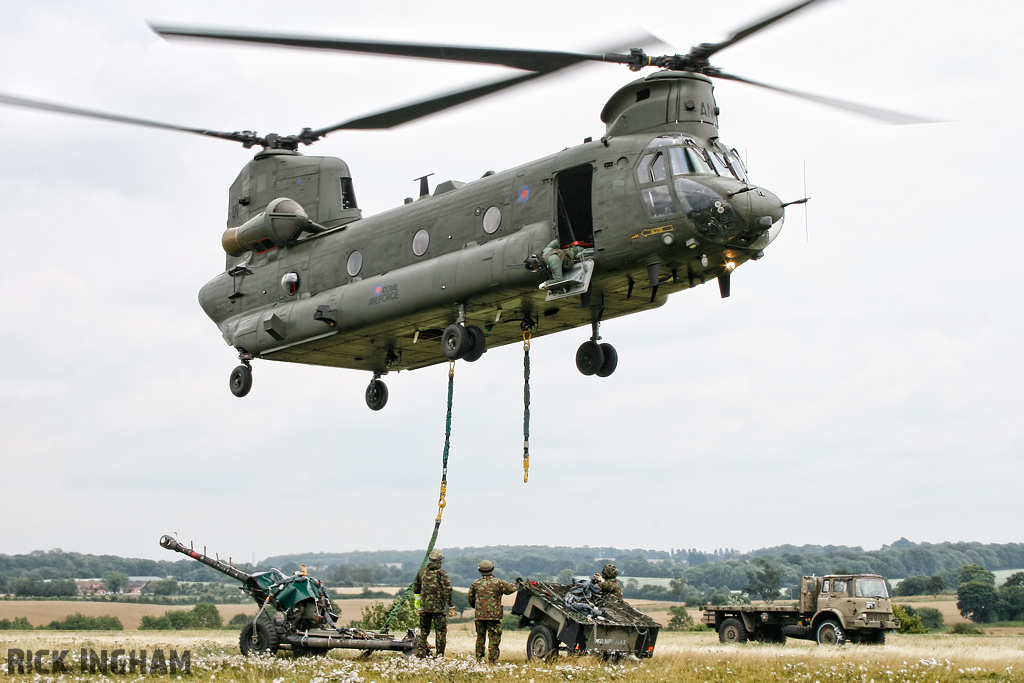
pixel 886 115
pixel 103 116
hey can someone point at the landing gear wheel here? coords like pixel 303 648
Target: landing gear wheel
pixel 376 394
pixel 830 633
pixel 732 631
pixel 241 380
pixel 258 636
pixel 479 345
pixel 611 360
pixel 456 342
pixel 589 358
pixel 541 643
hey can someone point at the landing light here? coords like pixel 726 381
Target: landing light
pixel 730 265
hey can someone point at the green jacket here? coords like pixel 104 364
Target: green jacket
pixel 485 597
pixel 433 587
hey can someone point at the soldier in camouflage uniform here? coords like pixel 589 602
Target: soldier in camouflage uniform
pixel 435 595
pixel 610 584
pixel 485 598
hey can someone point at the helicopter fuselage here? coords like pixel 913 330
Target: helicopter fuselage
pixel 659 204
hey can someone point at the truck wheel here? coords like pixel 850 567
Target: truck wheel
pixel 541 643
pixel 258 636
pixel 732 631
pixel 830 633
pixel 774 635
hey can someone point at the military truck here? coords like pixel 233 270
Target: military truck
pixel 832 610
pixel 580 619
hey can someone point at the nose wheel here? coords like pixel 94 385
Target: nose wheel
pixel 594 358
pixel 240 380
pixel 376 393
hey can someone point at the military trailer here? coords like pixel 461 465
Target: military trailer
pixel 300 620
pixel 832 610
pixel 591 623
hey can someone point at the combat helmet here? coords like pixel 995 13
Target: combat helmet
pixel 435 556
pixel 486 567
pixel 609 571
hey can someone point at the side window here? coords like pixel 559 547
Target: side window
pixel 492 220
pixel 825 586
pixel 355 263
pixel 420 242
pixel 839 587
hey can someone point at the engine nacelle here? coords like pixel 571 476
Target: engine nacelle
pixel 280 225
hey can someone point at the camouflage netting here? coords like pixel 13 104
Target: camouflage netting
pixel 617 612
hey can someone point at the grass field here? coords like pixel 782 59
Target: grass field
pixel 686 657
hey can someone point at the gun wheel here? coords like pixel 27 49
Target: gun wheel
pixel 258 636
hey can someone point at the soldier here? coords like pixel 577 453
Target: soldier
pixel 610 584
pixel 554 259
pixel 434 593
pixel 485 598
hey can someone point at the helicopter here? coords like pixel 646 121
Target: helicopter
pixel 657 205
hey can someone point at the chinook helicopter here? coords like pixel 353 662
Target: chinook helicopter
pixel 657 205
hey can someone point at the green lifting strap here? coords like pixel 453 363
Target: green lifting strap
pixel 441 499
pixel 526 405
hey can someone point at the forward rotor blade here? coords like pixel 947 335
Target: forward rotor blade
pixel 103 116
pixel 708 49
pixel 405 114
pixel 886 115
pixel 529 60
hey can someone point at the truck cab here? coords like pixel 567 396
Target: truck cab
pixel 857 607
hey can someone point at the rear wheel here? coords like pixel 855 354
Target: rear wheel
pixel 258 636
pixel 732 631
pixel 455 342
pixel 589 358
pixel 478 346
pixel 610 362
pixel 541 643
pixel 830 633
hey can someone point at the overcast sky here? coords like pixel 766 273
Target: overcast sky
pixel 864 381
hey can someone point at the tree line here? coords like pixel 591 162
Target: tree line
pixel 706 574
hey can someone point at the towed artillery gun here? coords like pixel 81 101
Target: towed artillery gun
pixel 832 610
pixel 302 620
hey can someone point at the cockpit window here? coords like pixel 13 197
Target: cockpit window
pixel 719 163
pixel 653 168
pixel 686 160
pixel 658 168
pixel 737 165
pixel 658 201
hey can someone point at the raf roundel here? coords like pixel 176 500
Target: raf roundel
pixel 524 193
pixel 378 290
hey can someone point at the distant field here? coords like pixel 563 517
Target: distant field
pixel 683 657
pixel 42 612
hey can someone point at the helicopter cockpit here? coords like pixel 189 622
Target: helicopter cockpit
pixel 666 189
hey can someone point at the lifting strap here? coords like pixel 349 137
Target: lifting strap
pixel 440 501
pixel 526 405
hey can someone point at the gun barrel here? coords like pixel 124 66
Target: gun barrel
pixel 171 543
